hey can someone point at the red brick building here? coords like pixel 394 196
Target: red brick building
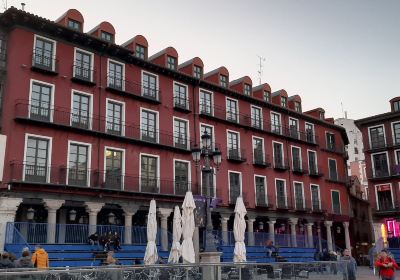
pixel 99 129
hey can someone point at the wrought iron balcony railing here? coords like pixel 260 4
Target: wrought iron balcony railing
pixel 86 75
pixel 238 155
pixel 44 62
pixel 315 171
pixel 182 104
pixel 261 159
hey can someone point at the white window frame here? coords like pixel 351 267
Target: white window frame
pixel 90 95
pixel 396 157
pixel 49 153
pixel 157 82
pixel 252 147
pixel 212 136
pixel 229 184
pixel 340 205
pixel 261 116
pixel 329 170
pixel 265 187
pixel 212 99
pixel 189 171
pixel 319 196
pixel 298 126
pixel 392 129
pixel 123 71
pixel 53 66
pixel 187 130
pixel 91 62
pixel 316 159
pixel 282 149
pixel 157 122
pixel 122 167
pixel 227 141
pixel 387 159
pixel 123 114
pixel 302 191
pixel 300 156
pixel 285 189
pixel 89 146
pixel 376 193
pixel 326 138
pixel 158 170
pixel 280 122
pixel 53 88
pixel 187 93
pixel 369 133
pixel 237 108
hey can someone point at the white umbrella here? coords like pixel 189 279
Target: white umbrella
pixel 151 256
pixel 239 228
pixel 188 228
pixel 176 237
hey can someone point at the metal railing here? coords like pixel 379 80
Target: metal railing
pixel 236 154
pixel 84 73
pixel 182 103
pixel 280 163
pixel 261 159
pixel 315 171
pixel 385 173
pixel 44 61
pixel 335 148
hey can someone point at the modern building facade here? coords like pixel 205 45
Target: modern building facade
pixel 381 134
pixel 95 130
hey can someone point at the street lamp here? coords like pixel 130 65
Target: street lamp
pixel 210 157
pixel 72 215
pixel 30 214
pixel 111 218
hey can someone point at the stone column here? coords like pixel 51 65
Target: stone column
pixel 250 231
pixel 271 230
pixel 52 205
pixel 347 235
pixel 93 208
pixel 328 225
pixel 164 214
pixel 293 223
pixel 309 235
pixel 319 237
pixel 8 209
pixel 129 211
pixel 224 227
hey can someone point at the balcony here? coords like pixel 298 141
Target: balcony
pixel 298 168
pixel 44 63
pixel 315 171
pixel 84 178
pixel 383 174
pixel 316 208
pixel 283 203
pixel 99 126
pixel 83 75
pixel 337 149
pixel 387 208
pixel 182 104
pixel 262 201
pixel 302 205
pixel 381 144
pixel 260 160
pixel 280 164
pixel 335 178
pixel 236 155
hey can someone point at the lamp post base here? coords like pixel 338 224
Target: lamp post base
pixel 212 271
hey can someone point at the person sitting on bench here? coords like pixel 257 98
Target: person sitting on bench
pixel 272 250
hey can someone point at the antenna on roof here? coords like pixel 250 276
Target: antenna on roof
pixel 260 67
pixel 23 6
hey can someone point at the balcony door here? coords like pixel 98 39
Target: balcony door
pixel 114 169
pixel 381 168
pixel 384 197
pixel 36 160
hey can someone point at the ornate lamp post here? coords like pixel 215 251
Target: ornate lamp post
pixel 210 158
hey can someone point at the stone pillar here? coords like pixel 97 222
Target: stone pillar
pixel 271 230
pixel 250 231
pixel 328 225
pixel 62 220
pixel 293 223
pixel 347 235
pixel 93 208
pixel 319 237
pixel 196 243
pixel 8 209
pixel 52 205
pixel 309 235
pixel 164 214
pixel 224 227
pixel 129 211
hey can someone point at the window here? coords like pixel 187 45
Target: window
pixel 261 191
pixel 235 188
pixel 107 36
pixel 275 123
pixel 205 175
pixel 181 177
pixel 171 62
pixel 315 199
pixel 397 153
pixel 37 159
pixel 233 145
pixel 296 159
pixel 206 103
pixel 44 53
pixel 332 170
pixel 258 151
pixel 356 150
pixel 336 202
pixel 396 133
pixel 310 135
pixel 297 106
pixel 198 72
pixel 150 86
pixel 149 174
pixel 312 163
pixel 83 65
pixel 180 133
pixel 377 137
pixel 78 165
pixel 210 131
pixel 247 89
pixel 299 195
pixel 384 197
pixel 294 128
pixel 223 81
pixel 81 110
pixel 278 155
pixel 41 101
pixel 256 117
pixel 114 169
pixel 231 110
pixel 180 96
pixel 140 51
pixel 280 193
pixel 267 96
pixel 74 24
pixel 283 101
pixel 115 75
pixel 115 117
pixel 149 126
pixel 321 115
pixel 396 106
pixel 380 165
pixel 330 141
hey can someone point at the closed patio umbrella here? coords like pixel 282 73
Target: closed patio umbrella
pixel 151 256
pixel 239 228
pixel 176 237
pixel 188 207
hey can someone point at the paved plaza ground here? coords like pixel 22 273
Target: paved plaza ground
pixel 365 273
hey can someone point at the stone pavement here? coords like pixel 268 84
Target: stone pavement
pixel 365 273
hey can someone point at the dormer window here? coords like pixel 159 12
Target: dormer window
pixel 247 89
pixel 223 81
pixel 140 51
pixel 106 36
pixel 267 96
pixel 283 101
pixel 297 106
pixel 321 115
pixel 171 62
pixel 396 106
pixel 73 24
pixel 198 72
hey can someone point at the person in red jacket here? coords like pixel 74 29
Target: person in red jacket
pixel 387 266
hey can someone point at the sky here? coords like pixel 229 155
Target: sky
pixel 341 55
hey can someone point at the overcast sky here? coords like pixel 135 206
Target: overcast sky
pixel 326 51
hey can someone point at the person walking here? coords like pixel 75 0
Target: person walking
pixel 371 255
pixel 40 258
pixel 350 267
pixel 386 265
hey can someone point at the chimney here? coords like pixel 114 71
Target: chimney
pixel 23 6
pixel 345 114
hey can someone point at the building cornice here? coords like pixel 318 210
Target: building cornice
pixel 377 118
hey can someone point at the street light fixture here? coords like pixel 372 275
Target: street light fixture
pixel 111 218
pixel 210 158
pixel 30 214
pixel 72 215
